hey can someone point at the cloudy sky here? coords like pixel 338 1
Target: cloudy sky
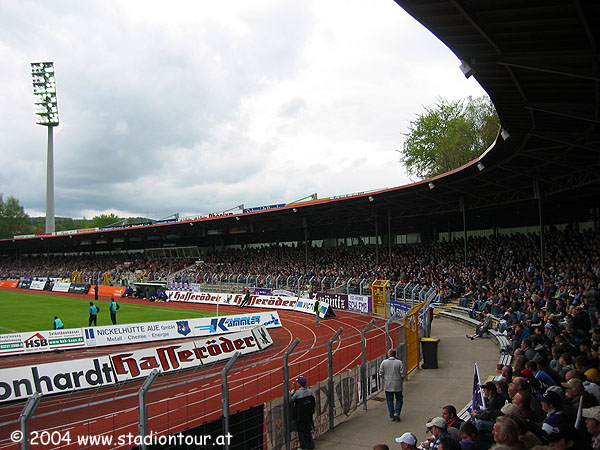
pixel 198 106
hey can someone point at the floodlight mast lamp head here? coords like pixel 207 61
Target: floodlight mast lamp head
pixel 44 91
pixel 46 108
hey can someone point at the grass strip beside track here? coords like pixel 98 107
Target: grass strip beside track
pixel 23 311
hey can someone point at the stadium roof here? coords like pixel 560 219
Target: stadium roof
pixel 539 62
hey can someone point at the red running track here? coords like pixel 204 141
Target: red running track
pixel 190 398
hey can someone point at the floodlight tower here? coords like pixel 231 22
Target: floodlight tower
pixel 44 90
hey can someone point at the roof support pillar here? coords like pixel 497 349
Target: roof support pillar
pixel 389 217
pixel 376 241
pixel 305 225
pixel 538 195
pixel 464 218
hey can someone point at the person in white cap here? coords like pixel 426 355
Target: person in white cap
pixel 592 423
pixel 407 441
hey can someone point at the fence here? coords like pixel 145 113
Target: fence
pixel 235 281
pixel 412 293
pixel 249 401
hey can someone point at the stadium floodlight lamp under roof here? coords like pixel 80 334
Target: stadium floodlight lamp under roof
pixel 44 91
pixel 466 69
pixel 431 185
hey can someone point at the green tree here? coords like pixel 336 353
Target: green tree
pixel 449 135
pixel 13 218
pixel 104 220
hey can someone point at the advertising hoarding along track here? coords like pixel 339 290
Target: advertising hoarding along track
pixel 300 304
pixel 67 376
pixel 49 340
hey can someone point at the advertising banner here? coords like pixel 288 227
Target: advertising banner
pixel 38 285
pixel 262 291
pixel 337 301
pixel 176 329
pixel 108 291
pixel 233 323
pixel 399 309
pixel 9 283
pixel 263 208
pixel 132 333
pixel 41 341
pixel 283 293
pixel 187 355
pixel 78 288
pixel 24 284
pixel 61 287
pixel 55 378
pixel 307 305
pixel 361 303
pixel 258 301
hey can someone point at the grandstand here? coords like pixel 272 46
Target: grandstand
pixel 515 231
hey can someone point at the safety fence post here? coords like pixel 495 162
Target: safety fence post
pixel 286 392
pixel 387 332
pixel 330 373
pixel 32 403
pixel 143 408
pixel 363 365
pixel 225 396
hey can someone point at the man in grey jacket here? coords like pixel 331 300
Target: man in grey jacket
pixel 392 372
pixel 303 400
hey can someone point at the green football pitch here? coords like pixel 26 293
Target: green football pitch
pixel 23 311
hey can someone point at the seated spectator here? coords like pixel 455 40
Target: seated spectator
pixel 530 352
pixel 566 437
pixel 530 408
pixel 506 432
pixel 449 443
pixel 520 362
pixel 592 388
pixel 385 447
pixel 552 405
pixel 407 441
pixel 507 373
pixel 484 419
pixel 576 393
pixel 537 386
pixel 592 423
pixel 564 364
pixel 529 432
pixel 467 433
pixel 585 366
pixel 540 374
pixel 485 325
pixel 438 429
pixel 449 415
